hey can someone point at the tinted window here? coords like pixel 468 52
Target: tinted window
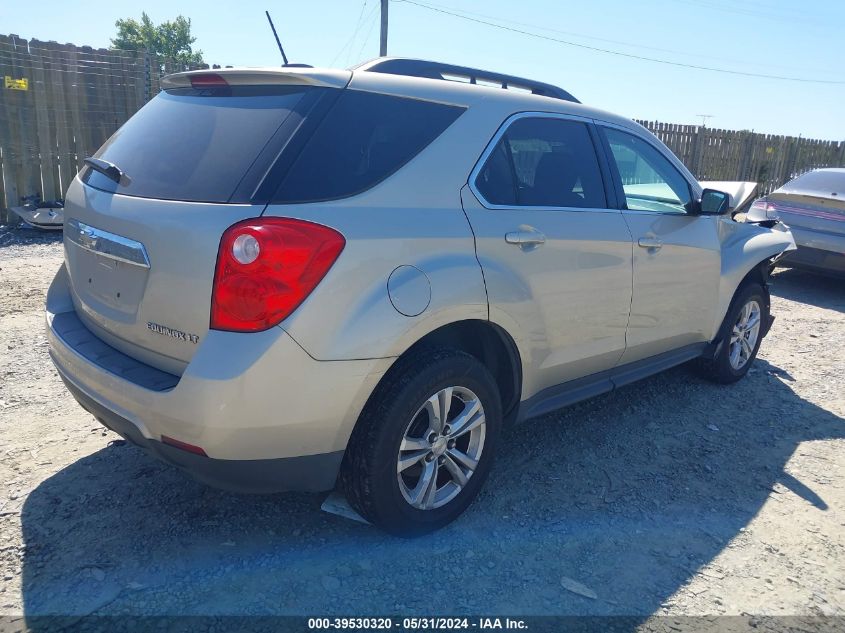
pixel 364 138
pixel 649 180
pixel 543 162
pixel 496 182
pixel 186 145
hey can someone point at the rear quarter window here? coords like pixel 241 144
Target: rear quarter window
pixel 363 139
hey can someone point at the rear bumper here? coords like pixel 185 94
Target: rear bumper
pixel 815 259
pixel 269 417
pixel 818 250
pixel 309 473
pixel 818 240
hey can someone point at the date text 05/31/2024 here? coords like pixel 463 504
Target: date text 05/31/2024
pixel 414 624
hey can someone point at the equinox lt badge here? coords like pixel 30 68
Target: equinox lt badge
pixel 177 334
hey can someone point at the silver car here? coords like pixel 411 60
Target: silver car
pixel 813 206
pixel 299 278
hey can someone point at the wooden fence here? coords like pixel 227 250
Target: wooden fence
pixel 713 154
pixel 60 102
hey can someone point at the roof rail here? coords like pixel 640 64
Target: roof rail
pixel 450 72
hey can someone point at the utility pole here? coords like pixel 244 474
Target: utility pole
pixel 704 118
pixel 383 44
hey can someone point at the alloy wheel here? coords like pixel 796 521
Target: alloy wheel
pixel 744 335
pixel 441 448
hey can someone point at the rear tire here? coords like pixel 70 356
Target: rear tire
pixel 741 334
pixel 404 470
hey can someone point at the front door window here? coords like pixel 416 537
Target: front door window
pixel 649 180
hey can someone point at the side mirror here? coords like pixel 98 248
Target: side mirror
pixel 713 202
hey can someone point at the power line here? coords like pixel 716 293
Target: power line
pixel 354 33
pixel 750 9
pixel 619 53
pixel 351 56
pixel 571 33
pixel 603 39
pixel 369 33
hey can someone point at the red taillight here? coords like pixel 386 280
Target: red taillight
pixel 266 267
pixel 208 80
pixel 769 209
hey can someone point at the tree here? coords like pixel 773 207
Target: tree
pixel 171 39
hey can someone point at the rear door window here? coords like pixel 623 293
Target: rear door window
pixel 363 139
pixel 543 162
pixel 196 145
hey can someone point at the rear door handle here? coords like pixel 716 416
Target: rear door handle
pixel 525 238
pixel 650 242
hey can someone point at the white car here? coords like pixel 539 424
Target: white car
pixel 813 206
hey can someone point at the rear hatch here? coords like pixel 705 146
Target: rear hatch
pixel 141 246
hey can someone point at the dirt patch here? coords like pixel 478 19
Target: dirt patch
pixel 669 496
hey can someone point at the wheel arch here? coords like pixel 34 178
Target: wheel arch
pixel 491 344
pixel 748 251
pixel 759 274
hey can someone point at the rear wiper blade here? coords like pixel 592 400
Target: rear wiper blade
pixel 109 170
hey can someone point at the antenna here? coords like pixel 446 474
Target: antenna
pixel 704 118
pixel 276 35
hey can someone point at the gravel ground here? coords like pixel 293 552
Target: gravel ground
pixel 671 496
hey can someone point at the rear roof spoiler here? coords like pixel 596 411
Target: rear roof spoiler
pixel 450 72
pixel 278 76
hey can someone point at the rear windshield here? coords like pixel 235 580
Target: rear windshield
pixel 363 139
pixel 824 182
pixel 303 143
pixel 195 146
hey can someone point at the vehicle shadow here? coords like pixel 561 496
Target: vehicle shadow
pixel 628 494
pixel 811 288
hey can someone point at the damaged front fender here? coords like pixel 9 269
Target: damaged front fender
pixel 746 246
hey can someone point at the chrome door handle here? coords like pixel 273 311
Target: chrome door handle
pixel 525 238
pixel 650 242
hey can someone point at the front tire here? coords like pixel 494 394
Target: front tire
pixel 424 443
pixel 741 333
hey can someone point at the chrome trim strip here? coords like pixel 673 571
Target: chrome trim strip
pixel 671 213
pixel 809 211
pixel 106 244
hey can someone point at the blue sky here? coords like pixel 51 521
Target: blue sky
pixel 769 37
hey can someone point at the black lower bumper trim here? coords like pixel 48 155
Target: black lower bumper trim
pixel 309 473
pixel 73 333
